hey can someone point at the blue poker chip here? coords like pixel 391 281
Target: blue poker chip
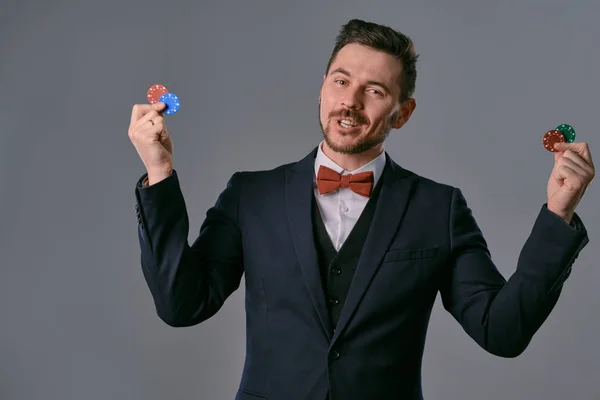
pixel 171 103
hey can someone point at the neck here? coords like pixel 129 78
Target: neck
pixel 352 162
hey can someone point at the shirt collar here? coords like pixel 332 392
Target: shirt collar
pixel 376 165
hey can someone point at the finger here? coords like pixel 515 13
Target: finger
pixel 164 134
pixel 577 159
pixel 573 165
pixel 151 125
pixel 159 107
pixel 569 177
pixel 153 116
pixel 148 127
pixel 139 110
pixel 156 132
pixel 580 148
pixel 150 133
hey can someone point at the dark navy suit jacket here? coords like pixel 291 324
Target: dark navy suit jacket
pixel 423 241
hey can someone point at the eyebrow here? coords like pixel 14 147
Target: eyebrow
pixel 376 83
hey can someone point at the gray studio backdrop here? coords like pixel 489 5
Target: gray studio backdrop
pixel 77 320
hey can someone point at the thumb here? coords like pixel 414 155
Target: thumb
pixel 158 106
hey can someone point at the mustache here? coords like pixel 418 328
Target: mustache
pixel 351 114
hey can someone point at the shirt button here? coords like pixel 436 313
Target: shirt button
pixel 344 208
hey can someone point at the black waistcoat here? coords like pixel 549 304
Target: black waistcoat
pixel 337 267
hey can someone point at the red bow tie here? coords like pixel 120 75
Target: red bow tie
pixel 329 180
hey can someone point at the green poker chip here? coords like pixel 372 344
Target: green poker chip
pixel 568 131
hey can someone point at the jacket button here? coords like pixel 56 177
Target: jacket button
pixel 335 355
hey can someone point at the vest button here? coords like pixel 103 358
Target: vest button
pixel 336 271
pixel 334 302
pixel 335 355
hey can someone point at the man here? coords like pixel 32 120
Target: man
pixel 341 271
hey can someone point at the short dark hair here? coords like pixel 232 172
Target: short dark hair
pixel 386 39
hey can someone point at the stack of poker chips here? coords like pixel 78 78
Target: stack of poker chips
pixel 160 94
pixel 561 134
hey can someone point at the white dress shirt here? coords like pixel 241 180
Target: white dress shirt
pixel 340 209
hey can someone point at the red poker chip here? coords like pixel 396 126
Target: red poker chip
pixel 552 137
pixel 155 91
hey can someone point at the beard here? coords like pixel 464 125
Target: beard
pixel 362 144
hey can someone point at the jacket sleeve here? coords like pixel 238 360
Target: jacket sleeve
pixel 189 284
pixel 502 316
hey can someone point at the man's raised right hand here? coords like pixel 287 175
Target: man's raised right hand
pixel 149 135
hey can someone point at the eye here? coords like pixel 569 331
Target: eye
pixel 340 81
pixel 375 91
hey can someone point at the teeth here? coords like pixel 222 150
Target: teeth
pixel 347 123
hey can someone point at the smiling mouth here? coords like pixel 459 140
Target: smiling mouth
pixel 347 123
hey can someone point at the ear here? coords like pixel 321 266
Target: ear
pixel 406 110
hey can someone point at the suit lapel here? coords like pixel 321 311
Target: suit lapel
pixel 298 200
pixel 392 202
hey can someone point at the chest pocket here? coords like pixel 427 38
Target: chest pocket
pixel 410 254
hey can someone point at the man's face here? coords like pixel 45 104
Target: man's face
pixel 359 102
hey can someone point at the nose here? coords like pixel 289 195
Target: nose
pixel 352 98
